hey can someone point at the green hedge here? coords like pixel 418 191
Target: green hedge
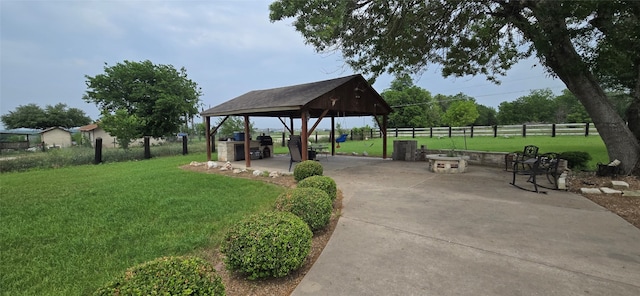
pixel 307 169
pixel 310 204
pixel 325 183
pixel 167 276
pixel 270 244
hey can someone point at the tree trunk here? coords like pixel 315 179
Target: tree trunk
pixel 560 56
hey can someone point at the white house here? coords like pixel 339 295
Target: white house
pixel 57 137
pixel 93 131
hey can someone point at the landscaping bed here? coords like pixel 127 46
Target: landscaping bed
pixel 628 208
pixel 236 284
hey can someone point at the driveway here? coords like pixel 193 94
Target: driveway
pixel 407 231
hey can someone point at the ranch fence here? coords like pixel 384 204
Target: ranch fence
pixel 524 130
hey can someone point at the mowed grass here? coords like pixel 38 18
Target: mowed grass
pixel 591 144
pixel 68 231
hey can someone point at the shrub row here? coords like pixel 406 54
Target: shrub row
pixel 269 244
pixel 273 244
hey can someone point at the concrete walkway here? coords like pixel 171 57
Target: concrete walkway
pixel 407 231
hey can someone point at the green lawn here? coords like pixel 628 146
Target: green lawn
pixel 592 144
pixel 67 231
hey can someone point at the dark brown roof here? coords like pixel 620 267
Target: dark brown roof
pixel 345 96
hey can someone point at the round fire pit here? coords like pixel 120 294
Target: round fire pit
pixel 443 164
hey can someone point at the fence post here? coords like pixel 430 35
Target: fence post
pixel 147 149
pixel 351 135
pixel 371 134
pixel 449 131
pixel 495 131
pixel 413 132
pixel 316 137
pixel 472 130
pixel 524 130
pixel 553 130
pixel 431 132
pixel 586 129
pixel 98 151
pixel 184 145
pixel 396 131
pixel 282 139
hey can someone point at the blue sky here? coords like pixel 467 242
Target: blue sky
pixel 227 47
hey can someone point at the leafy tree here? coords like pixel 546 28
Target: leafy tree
pixel 580 42
pixel 539 106
pixel 123 126
pixel 460 113
pixel 486 116
pixel 32 116
pixel 159 98
pixel 413 105
pixel 569 109
pixel 231 125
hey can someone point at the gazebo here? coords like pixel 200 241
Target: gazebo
pixel 347 96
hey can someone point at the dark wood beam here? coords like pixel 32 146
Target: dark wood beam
pixel 304 136
pixel 318 121
pixel 285 125
pixel 247 142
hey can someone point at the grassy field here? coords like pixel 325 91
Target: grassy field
pixel 592 145
pixel 67 231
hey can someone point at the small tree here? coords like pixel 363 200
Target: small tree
pixel 460 113
pixel 121 125
pixel 231 125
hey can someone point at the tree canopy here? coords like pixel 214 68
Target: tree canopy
pixel 32 116
pixel 158 98
pixel 589 45
pixel 413 106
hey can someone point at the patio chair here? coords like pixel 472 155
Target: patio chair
pixel 295 150
pixel 542 165
pixel 529 151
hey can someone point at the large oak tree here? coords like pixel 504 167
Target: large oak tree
pixel 158 98
pixel 591 46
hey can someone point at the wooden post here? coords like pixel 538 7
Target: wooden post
pixel 413 132
pixel 247 142
pixel 553 130
pixel 586 129
pixel 207 135
pixel 472 130
pixel 449 131
pixel 524 130
pixel 147 148
pixel 304 136
pixel 384 136
pixel 184 145
pixel 98 149
pixel 431 132
pixel 495 131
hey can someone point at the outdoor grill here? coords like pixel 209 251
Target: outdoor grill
pixel 266 144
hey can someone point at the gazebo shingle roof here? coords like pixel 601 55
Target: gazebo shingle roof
pixel 344 96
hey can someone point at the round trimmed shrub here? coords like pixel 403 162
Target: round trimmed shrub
pixel 167 276
pixel 325 183
pixel 307 169
pixel 270 244
pixel 310 204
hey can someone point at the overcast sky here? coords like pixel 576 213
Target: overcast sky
pixel 227 47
